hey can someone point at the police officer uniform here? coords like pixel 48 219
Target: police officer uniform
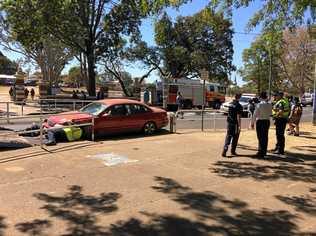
pixel 280 113
pixel 233 131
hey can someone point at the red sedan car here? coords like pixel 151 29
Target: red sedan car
pixel 115 116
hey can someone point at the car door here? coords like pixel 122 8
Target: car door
pixel 113 120
pixel 139 115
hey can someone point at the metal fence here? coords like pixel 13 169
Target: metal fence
pixel 43 106
pixel 42 130
pixel 205 120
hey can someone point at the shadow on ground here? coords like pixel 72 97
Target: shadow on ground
pixel 228 217
pixel 305 203
pixel 78 211
pixel 265 172
pixel 213 214
pixel 3 226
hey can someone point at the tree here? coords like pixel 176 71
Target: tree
pixel 192 43
pixel 297 59
pixel 277 14
pixel 91 27
pixel 75 77
pixel 6 66
pixel 256 67
pixel 22 31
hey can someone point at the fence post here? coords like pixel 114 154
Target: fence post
pixel 214 121
pixel 202 118
pixel 92 131
pixel 74 105
pixel 41 132
pixel 55 105
pixel 8 113
pixel 22 106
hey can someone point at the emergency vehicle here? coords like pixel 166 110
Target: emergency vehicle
pixel 192 93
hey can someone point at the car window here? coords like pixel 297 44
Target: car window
pixel 94 108
pixel 212 88
pixel 118 110
pixel 244 99
pixel 137 109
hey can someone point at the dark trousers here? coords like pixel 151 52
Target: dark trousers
pixel 262 128
pixel 56 135
pixel 280 125
pixel 232 137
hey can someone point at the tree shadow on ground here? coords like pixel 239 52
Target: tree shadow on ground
pixel 228 217
pixel 77 210
pixel 304 203
pixel 215 215
pixel 3 225
pixel 264 172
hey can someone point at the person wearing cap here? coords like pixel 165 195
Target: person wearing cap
pixel 261 118
pixel 280 113
pixel 235 111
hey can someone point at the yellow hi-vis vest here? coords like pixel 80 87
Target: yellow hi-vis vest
pixel 73 133
pixel 286 108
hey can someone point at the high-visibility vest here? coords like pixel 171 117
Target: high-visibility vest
pixel 73 133
pixel 286 108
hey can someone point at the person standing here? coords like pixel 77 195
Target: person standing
pixel 146 96
pixel 261 117
pixel 26 93
pixel 235 111
pixel 32 94
pixel 179 102
pixel 295 117
pixel 251 107
pixel 280 113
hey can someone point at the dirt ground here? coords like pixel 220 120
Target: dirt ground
pixel 173 184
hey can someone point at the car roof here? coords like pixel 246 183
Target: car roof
pixel 115 101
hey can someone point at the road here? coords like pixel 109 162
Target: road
pixel 194 121
pixel 191 120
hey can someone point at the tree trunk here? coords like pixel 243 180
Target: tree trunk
pixel 91 74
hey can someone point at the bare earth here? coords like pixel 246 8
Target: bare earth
pixel 179 186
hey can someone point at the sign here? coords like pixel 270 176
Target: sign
pixel 204 74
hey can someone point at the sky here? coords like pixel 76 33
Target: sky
pixel 241 39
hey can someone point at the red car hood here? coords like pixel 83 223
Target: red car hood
pixel 76 117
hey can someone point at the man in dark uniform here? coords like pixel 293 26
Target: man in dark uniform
pixel 280 113
pixel 233 125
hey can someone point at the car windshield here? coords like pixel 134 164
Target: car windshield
pixel 244 99
pixel 94 108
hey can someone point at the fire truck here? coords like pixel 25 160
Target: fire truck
pixel 192 93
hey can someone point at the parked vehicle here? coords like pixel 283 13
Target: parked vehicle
pixel 192 93
pixel 244 101
pixel 307 99
pixel 115 116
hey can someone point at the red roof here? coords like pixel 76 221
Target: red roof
pixel 114 101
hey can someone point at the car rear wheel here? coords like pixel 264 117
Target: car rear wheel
pixel 150 128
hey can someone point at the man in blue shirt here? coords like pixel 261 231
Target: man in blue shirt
pixel 233 125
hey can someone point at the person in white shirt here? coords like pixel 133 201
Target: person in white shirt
pixel 261 117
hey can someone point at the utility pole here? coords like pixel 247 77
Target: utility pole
pixel 270 70
pixel 314 98
pixel 312 33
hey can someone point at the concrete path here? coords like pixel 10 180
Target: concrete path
pixel 172 185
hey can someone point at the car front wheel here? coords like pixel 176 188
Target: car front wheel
pixel 150 128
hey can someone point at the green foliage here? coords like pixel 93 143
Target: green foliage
pixel 256 67
pixel 75 77
pixel 6 66
pixel 274 14
pixel 192 43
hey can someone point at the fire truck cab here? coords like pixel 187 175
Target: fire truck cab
pixel 192 93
